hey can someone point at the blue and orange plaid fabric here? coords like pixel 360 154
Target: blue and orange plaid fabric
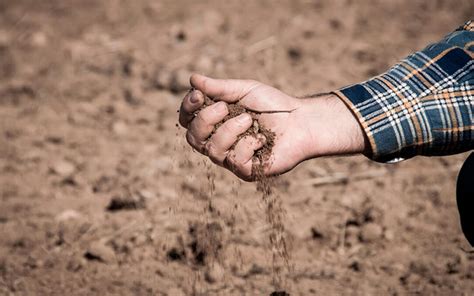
pixel 423 105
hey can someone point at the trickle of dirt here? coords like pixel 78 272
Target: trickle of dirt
pixel 273 205
pixel 275 217
pixel 206 242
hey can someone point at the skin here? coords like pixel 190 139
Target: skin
pixel 315 127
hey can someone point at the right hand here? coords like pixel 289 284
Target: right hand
pixel 315 127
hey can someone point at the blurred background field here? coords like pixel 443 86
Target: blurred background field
pixel 100 194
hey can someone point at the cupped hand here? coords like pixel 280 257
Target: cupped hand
pixel 305 129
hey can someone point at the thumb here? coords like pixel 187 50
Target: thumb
pixel 228 90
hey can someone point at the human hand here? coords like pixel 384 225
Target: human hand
pixel 313 127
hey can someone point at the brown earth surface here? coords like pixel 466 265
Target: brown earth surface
pixel 100 194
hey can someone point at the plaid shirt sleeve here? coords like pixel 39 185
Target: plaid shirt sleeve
pixel 423 105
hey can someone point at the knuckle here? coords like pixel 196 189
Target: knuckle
pixel 227 127
pixel 202 119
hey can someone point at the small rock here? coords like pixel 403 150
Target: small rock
pixel 176 254
pixel 76 263
pixel 133 93
pixel 279 293
pixel 214 273
pixel 130 67
pixel 146 194
pixel 255 269
pixel 5 38
pixel 175 292
pixel 470 270
pixel 316 233
pixel 389 235
pixel 33 263
pixel 140 239
pixel 99 251
pixel 68 215
pixel 180 81
pixel 356 266
pixel 63 168
pixel 370 232
pixel 456 264
pixel 163 164
pixel 120 128
pixel 104 184
pixel 39 39
pixel 210 21
pixel 7 62
pixel 128 202
pixel 204 64
pixel 162 79
pixel 294 54
pixel 351 238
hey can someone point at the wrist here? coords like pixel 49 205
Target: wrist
pixel 333 128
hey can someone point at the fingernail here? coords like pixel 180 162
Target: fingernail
pixel 194 99
pixel 243 118
pixel 220 107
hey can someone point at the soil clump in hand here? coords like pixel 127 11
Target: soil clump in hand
pixel 263 154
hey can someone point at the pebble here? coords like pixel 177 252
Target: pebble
pixel 175 292
pixel 98 250
pixel 133 93
pixel 147 194
pixel 5 38
pixel 126 202
pixel 204 64
pixel 352 232
pixel 163 164
pixel 389 235
pixel 456 264
pixel 180 81
pixel 7 61
pixel 68 215
pixel 76 263
pixel 214 273
pixel 63 168
pixel 120 128
pixel 371 232
pixel 162 79
pixel 39 39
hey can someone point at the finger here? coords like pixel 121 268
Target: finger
pixel 229 90
pixel 240 160
pixel 202 125
pixel 246 170
pixel 225 136
pixel 193 100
